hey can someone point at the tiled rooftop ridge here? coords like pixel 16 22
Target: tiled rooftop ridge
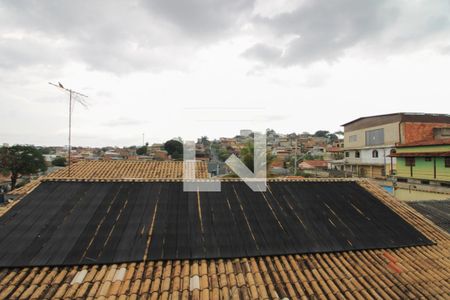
pixel 129 170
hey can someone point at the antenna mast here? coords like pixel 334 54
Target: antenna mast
pixel 79 99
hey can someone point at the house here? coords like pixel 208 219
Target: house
pixel 313 165
pixel 317 151
pixel 426 162
pixel 369 141
pixel 315 168
pixel 160 155
pixel 112 155
pixel 127 239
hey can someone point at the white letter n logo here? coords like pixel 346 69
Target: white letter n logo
pixel 256 180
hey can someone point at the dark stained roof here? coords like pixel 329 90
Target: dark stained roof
pixel 419 272
pixel 72 223
pixel 437 211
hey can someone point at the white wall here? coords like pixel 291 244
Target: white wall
pixel 366 157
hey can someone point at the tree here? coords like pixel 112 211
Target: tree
pixel 247 154
pixel 204 141
pixel 332 138
pixel 21 160
pixel 174 149
pixel 46 150
pixel 142 150
pixel 321 133
pixel 59 161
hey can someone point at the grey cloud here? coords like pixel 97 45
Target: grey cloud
pixel 325 30
pixel 263 52
pixel 117 36
pixel 15 53
pixel 200 18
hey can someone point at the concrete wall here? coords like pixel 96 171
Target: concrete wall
pixel 366 157
pixel 391 135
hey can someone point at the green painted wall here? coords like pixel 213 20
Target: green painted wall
pixel 424 169
pixel 437 148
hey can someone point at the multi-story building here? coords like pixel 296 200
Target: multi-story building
pixel 370 141
pixel 425 162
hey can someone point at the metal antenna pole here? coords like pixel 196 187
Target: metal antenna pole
pixel 70 130
pixel 82 102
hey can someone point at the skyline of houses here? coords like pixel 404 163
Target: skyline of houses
pixel 403 147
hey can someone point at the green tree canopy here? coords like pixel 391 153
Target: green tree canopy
pixel 21 160
pixel 321 133
pixel 142 150
pixel 332 137
pixel 204 141
pixel 174 148
pixel 59 161
pixel 247 154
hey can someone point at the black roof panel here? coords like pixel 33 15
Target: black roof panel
pixel 72 223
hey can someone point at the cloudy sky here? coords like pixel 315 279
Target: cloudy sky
pixel 189 68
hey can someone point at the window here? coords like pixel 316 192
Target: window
pixel 357 154
pixel 347 154
pixel 375 137
pixel 353 138
pixel 427 158
pixel 447 162
pixel 410 161
pixel 374 153
pixel 445 132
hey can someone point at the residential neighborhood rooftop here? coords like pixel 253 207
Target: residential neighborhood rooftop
pixel 379 273
pixel 104 170
pixel 406 116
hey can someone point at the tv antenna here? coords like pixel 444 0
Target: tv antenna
pixel 73 97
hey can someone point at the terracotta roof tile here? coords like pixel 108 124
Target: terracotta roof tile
pixel 117 170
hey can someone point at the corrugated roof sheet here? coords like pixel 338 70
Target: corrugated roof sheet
pixel 405 273
pixel 72 223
